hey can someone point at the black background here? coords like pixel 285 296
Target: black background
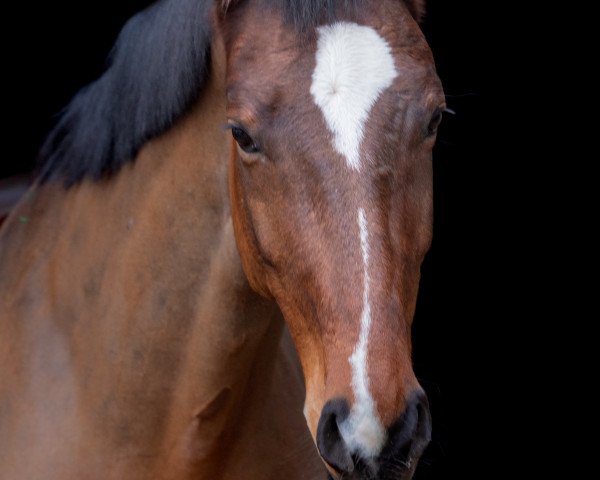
pixel 60 46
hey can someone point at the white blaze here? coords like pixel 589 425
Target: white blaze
pixel 362 430
pixel 354 65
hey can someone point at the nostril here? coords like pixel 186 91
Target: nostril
pixel 422 435
pixel 411 433
pixel 330 443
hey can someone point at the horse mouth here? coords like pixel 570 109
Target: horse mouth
pixel 395 470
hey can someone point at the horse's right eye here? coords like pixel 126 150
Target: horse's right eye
pixel 245 141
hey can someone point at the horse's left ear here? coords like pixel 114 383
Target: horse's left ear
pixel 417 9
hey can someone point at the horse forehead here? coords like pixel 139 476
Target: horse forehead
pixel 354 66
pixel 344 69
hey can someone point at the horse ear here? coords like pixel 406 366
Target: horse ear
pixel 417 9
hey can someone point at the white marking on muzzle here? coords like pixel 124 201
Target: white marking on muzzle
pixel 363 431
pixel 354 65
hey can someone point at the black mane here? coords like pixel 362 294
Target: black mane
pixel 156 71
pixel 157 68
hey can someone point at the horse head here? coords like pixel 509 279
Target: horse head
pixel 334 119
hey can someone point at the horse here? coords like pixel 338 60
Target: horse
pixel 215 273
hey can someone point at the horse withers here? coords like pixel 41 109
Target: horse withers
pixel 247 177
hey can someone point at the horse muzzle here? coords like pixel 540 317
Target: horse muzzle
pixel 406 441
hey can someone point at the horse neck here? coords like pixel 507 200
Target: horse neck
pixel 146 289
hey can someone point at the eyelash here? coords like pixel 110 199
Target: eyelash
pixel 243 139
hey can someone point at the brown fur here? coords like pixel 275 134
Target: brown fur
pixel 133 342
pixel 417 9
pixel 288 219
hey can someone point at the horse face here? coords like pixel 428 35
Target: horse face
pixel 331 192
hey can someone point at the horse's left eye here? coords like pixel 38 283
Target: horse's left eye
pixel 434 123
pixel 245 141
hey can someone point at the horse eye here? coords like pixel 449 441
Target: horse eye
pixel 244 140
pixel 434 123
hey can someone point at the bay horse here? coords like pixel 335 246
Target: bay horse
pixel 215 274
